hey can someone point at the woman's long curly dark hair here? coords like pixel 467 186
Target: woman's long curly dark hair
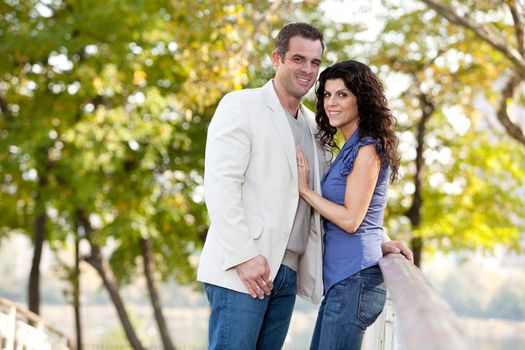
pixel 375 117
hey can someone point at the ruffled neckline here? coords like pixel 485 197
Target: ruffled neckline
pixel 351 142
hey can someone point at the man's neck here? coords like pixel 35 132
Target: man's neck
pixel 289 103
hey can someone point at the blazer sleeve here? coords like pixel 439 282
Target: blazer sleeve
pixel 226 160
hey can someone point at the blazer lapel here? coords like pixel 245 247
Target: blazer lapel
pixel 282 127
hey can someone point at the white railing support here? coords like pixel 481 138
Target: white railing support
pixel 21 329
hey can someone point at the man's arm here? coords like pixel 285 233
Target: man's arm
pixel 226 160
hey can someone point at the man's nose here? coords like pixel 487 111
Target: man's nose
pixel 308 67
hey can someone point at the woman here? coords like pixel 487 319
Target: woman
pixel 351 99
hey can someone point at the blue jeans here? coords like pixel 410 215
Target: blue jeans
pixel 348 308
pixel 240 322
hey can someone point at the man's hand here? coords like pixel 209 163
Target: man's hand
pixel 255 274
pixel 399 248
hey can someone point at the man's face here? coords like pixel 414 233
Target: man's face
pixel 297 72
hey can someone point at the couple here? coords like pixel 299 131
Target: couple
pixel 265 243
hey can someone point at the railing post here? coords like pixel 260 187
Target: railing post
pixel 389 319
pixel 22 329
pixel 7 328
pixel 380 335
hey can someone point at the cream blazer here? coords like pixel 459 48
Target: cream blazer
pixel 251 191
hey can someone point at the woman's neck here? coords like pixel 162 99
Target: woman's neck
pixel 348 129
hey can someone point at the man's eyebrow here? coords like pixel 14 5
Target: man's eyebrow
pixel 298 55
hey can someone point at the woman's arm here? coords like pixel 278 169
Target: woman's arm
pixel 360 185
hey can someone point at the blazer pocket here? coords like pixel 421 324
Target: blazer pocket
pixel 256 227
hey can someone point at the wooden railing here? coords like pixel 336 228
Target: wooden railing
pixel 415 316
pixel 22 329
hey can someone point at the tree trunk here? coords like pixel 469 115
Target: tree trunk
pixel 76 296
pixel 414 212
pixel 145 246
pixel 416 244
pixel 39 238
pixel 103 269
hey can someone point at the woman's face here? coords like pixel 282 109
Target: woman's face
pixel 340 105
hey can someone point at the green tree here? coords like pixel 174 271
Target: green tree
pixel 450 171
pixel 104 119
pixel 489 22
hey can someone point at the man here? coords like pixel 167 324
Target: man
pixel 264 244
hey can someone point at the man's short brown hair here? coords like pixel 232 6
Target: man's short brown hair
pixel 303 30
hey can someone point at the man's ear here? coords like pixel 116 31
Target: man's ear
pixel 276 59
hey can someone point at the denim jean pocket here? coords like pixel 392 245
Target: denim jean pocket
pixel 372 300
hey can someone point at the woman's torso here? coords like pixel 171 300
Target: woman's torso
pixel 345 253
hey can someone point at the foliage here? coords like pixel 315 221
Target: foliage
pixel 471 194
pixel 104 109
pixel 82 115
pixel 116 97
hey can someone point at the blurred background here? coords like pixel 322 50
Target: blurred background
pixel 104 107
